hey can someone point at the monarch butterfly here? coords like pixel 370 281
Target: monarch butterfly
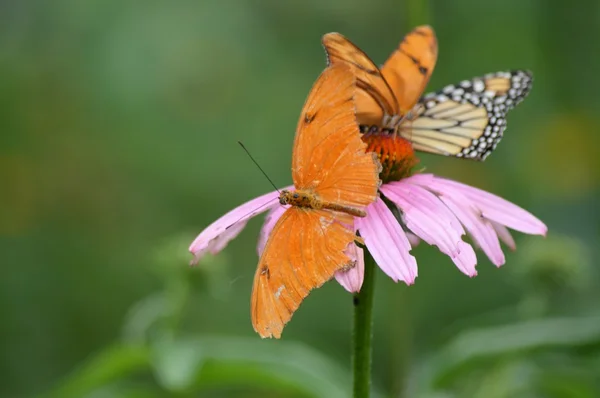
pixel 335 179
pixel 463 120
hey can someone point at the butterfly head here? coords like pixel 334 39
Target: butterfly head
pixel 298 198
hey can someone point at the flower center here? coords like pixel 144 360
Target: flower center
pixel 396 155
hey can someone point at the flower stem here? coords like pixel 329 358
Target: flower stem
pixel 363 323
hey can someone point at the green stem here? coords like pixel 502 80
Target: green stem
pixel 363 325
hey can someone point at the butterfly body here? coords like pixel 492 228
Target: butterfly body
pixel 309 200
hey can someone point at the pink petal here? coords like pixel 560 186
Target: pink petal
pixel 270 221
pixel 352 279
pixel 481 229
pixel 222 240
pixel 216 236
pixel 413 239
pixel 432 221
pixel 504 235
pixel 387 242
pixel 492 207
pixel 466 260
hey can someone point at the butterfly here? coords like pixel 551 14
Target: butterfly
pixel 465 120
pixel 334 179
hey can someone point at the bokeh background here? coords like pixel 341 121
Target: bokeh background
pixel 118 130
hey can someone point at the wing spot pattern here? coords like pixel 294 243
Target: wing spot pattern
pixel 265 271
pixel 308 117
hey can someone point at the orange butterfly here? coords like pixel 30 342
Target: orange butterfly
pixel 464 120
pixel 335 179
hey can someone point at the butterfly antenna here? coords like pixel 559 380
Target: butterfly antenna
pixel 257 165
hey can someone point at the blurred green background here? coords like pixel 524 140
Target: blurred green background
pixel 118 130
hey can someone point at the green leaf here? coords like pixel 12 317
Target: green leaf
pixel 176 362
pixel 474 349
pixel 208 363
pixel 115 362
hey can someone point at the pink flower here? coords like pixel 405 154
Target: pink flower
pixel 437 210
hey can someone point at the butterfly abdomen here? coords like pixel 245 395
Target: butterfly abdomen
pixel 353 211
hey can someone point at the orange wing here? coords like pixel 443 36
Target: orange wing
pixel 305 248
pixel 375 101
pixel 409 68
pixel 329 157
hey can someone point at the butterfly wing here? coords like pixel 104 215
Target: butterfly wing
pixel 304 250
pixel 375 101
pixel 329 156
pixel 410 66
pixel 467 119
